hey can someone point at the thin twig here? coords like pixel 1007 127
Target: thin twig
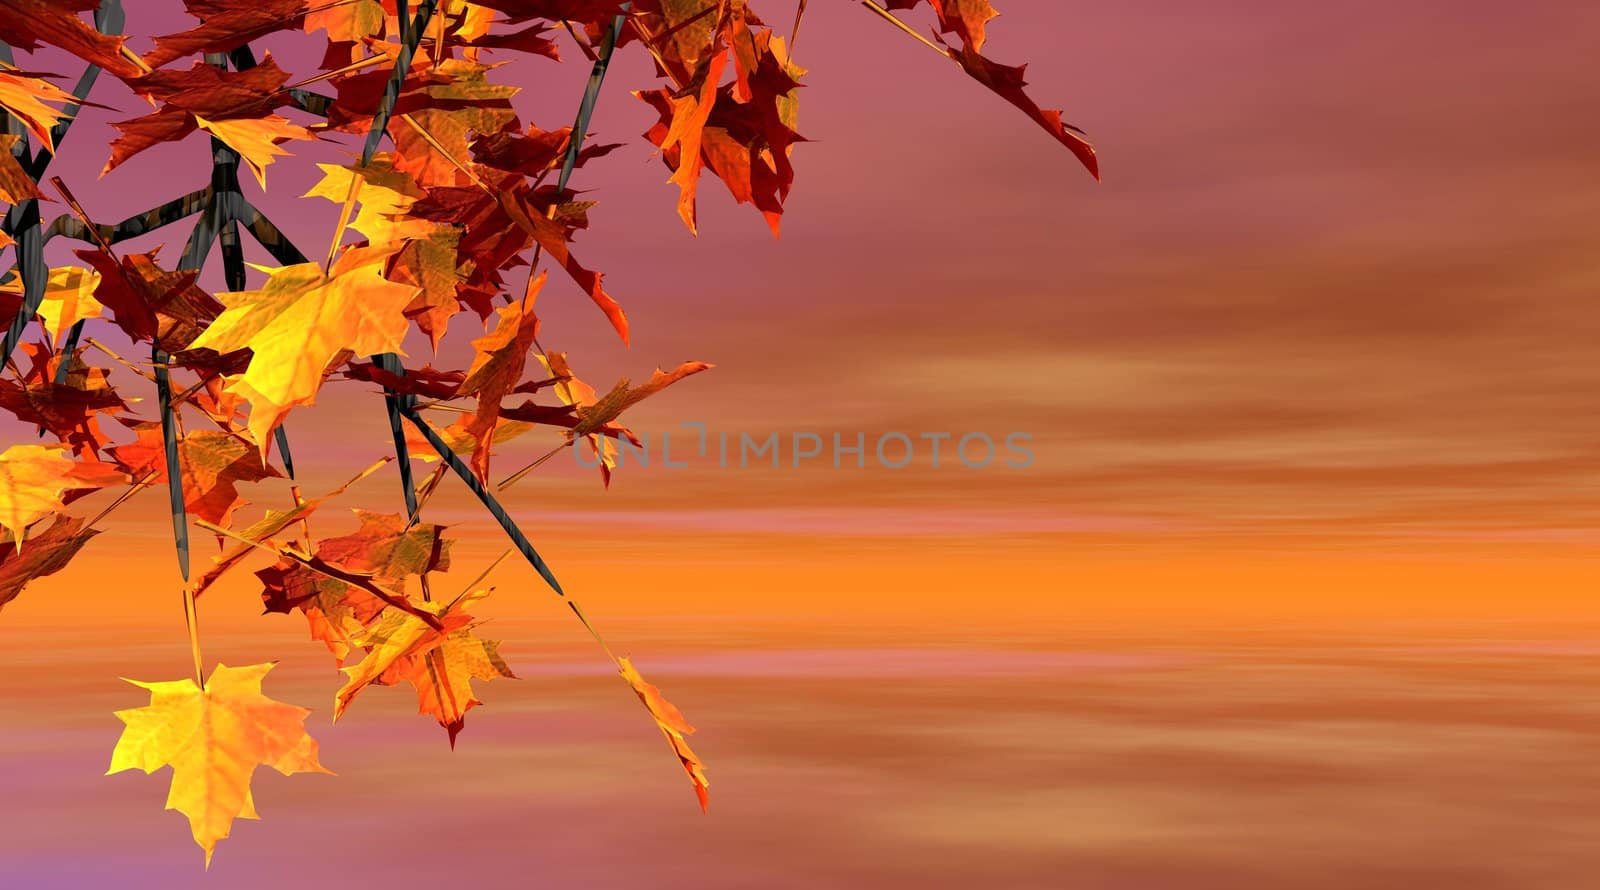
pixel 329 570
pixel 895 20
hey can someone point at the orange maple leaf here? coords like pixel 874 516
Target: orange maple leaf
pixel 25 96
pixel 497 368
pixel 672 725
pixel 16 185
pixel 214 463
pixel 440 662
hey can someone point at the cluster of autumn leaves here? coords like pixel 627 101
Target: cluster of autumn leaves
pixel 454 204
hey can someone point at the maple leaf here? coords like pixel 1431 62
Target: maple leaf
pixel 551 236
pixel 16 185
pixel 386 196
pixel 271 524
pixel 443 677
pixel 388 549
pixel 383 549
pixel 533 152
pixel 463 441
pixel 746 134
pixel 48 552
pixel 350 22
pixel 26 96
pixel 964 18
pixel 68 298
pixel 670 720
pixel 601 412
pixel 214 463
pixel 37 480
pixel 681 33
pixel 442 119
pixel 227 25
pixel 429 263
pixel 426 251
pixel 497 368
pixel 234 106
pixel 685 115
pixel 458 86
pixel 148 302
pixel 440 663
pixel 67 409
pixel 256 139
pixel 503 218
pixel 300 323
pixel 214 739
pixel 336 612
pixel 1007 82
pixel 27 23
pixel 586 11
pixel 396 640
pixel 578 395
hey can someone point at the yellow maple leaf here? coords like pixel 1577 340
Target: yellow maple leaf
pixel 256 139
pixel 214 739
pixel 68 298
pixel 33 479
pixel 386 197
pixel 300 323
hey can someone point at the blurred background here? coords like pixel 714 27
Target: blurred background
pixel 1296 592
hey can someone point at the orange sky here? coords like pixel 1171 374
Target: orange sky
pixel 1322 340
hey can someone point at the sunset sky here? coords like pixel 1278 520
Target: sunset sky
pixel 1295 594
pixel 1320 339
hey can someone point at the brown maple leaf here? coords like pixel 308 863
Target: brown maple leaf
pixel 47 552
pixel 226 25
pixel 26 24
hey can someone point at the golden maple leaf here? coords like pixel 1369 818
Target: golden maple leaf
pixel 214 739
pixel 386 197
pixel 68 298
pixel 34 480
pixel 425 251
pixel 256 139
pixel 300 323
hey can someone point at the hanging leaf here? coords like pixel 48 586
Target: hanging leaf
pixel 214 739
